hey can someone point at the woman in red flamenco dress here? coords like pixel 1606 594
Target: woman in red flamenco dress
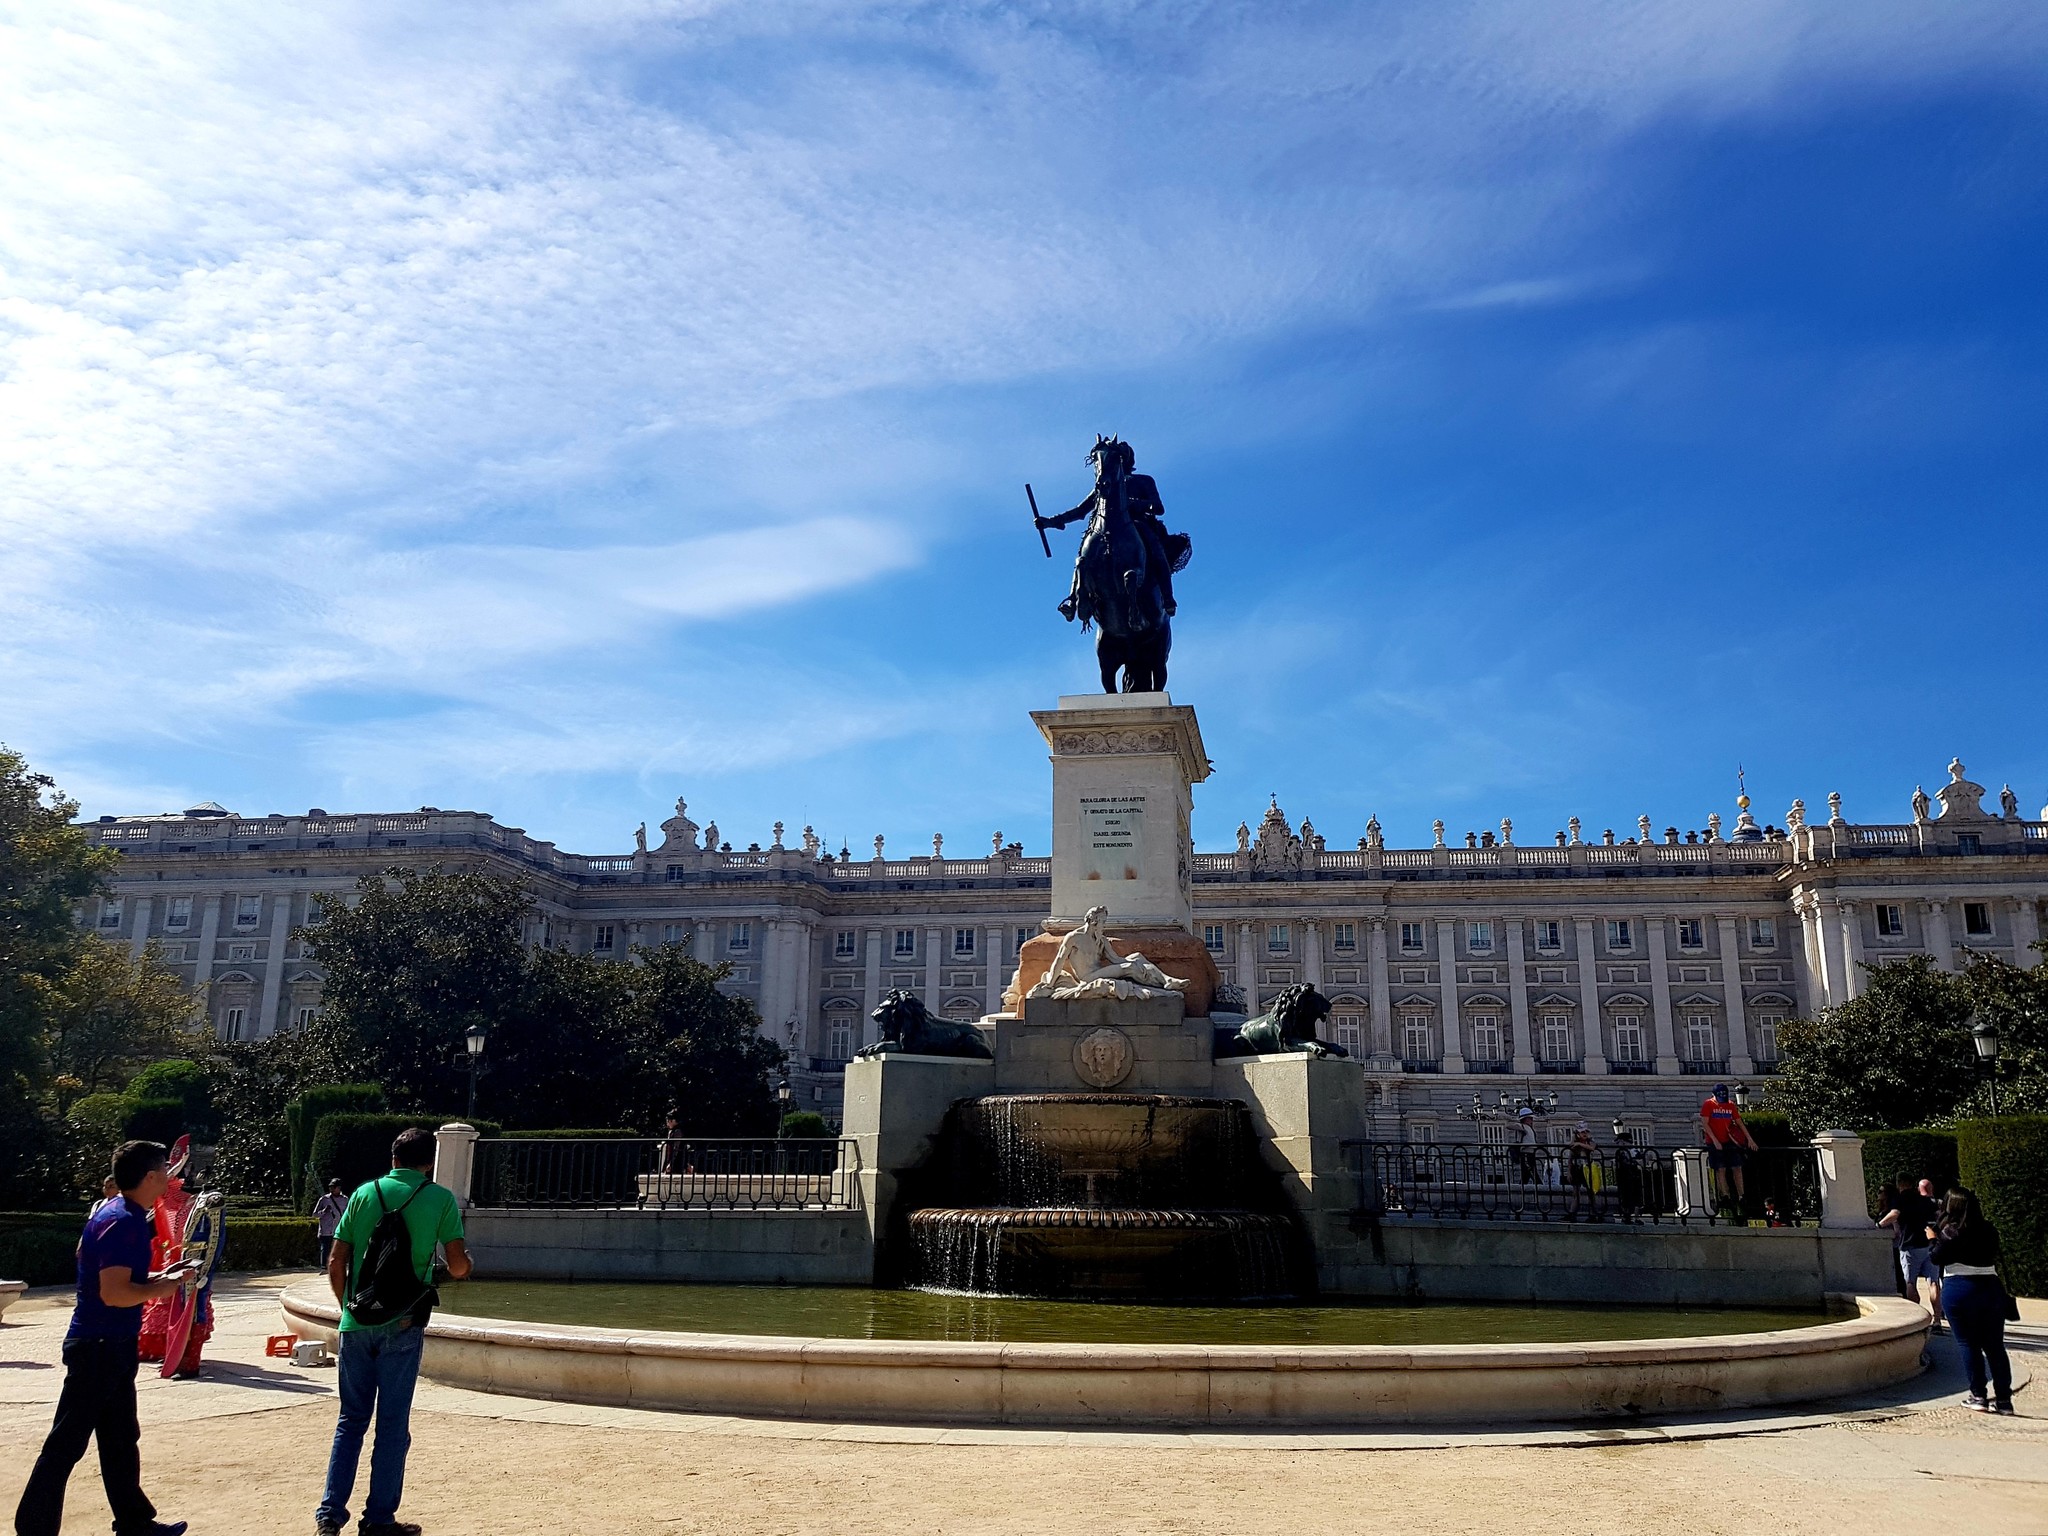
pixel 165 1248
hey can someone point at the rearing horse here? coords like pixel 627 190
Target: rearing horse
pixel 1119 590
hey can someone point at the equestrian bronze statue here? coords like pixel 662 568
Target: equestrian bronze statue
pixel 1123 572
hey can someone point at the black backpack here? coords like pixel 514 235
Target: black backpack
pixel 387 1286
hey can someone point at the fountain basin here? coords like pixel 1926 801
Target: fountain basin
pixel 1104 1385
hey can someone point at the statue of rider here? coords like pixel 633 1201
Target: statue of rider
pixel 1168 551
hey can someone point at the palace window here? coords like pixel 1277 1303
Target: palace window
pixel 110 914
pixel 1277 942
pixel 1557 1037
pixel 741 938
pixel 1977 918
pixel 1549 933
pixel 1763 933
pixel 1968 842
pixel 1479 937
pixel 1891 921
pixel 839 1037
pixel 1346 937
pixel 241 952
pixel 306 1016
pixel 673 933
pixel 231 1024
pixel 963 942
pixel 1691 933
pixel 1349 1030
pixel 601 939
pixel 1212 938
pixel 842 944
pixel 179 913
pixel 1415 1044
pixel 1767 1037
pixel 1628 1037
pixel 906 943
pixel 1025 936
pixel 1699 1037
pixel 1621 934
pixel 1421 1133
pixel 248 911
pixel 1486 1037
pixel 1411 937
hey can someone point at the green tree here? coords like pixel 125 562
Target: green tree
pixel 1896 1057
pixel 2014 1000
pixel 711 1061
pixel 47 866
pixel 415 961
pixel 111 1014
pixel 249 1082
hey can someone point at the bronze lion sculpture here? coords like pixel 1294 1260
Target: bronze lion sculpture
pixel 1287 1027
pixel 907 1027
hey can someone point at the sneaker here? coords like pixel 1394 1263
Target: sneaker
pixel 174 1528
pixel 2004 1408
pixel 326 1528
pixel 1971 1401
pixel 390 1528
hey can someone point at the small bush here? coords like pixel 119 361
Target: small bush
pixel 154 1120
pixel 357 1148
pixel 2006 1162
pixel 1918 1154
pixel 804 1125
pixel 1771 1129
pixel 185 1082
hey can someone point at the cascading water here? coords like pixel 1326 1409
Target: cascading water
pixel 1104 1195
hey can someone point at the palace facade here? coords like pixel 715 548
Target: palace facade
pixel 1622 974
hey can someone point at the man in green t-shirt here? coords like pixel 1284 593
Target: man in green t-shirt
pixel 380 1365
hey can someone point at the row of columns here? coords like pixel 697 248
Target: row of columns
pixel 1450 1011
pixel 1832 947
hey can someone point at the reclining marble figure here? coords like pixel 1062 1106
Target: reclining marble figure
pixel 1087 965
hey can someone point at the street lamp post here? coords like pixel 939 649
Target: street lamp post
pixel 1984 1036
pixel 473 1061
pixel 781 1105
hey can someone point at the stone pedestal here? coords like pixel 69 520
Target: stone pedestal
pixel 454 1159
pixel 1104 1045
pixel 1843 1200
pixel 1305 1108
pixel 895 1106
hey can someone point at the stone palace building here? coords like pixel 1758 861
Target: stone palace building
pixel 1614 972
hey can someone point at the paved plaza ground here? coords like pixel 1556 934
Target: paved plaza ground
pixel 241 1453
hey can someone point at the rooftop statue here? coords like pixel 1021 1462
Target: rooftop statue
pixel 1123 571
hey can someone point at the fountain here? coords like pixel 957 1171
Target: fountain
pixel 1101 1196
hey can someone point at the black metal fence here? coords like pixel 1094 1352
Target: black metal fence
pixel 677 1174
pixel 1780 1186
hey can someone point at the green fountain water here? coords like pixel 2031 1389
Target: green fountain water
pixel 841 1312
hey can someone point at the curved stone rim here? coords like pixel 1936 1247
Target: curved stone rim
pixel 957 1382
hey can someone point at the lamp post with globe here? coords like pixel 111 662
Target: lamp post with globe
pixel 1984 1036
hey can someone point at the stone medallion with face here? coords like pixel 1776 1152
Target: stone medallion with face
pixel 1104 1057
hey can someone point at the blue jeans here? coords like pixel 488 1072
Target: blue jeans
pixel 378 1372
pixel 1975 1305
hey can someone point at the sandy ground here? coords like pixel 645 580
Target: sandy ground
pixel 243 1451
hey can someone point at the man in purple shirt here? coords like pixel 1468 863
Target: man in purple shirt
pixel 99 1356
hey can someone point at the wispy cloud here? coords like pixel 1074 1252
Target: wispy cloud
pixel 351 349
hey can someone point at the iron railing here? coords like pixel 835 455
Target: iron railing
pixel 1451 1181
pixel 677 1174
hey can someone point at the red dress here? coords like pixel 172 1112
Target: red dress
pixel 164 1250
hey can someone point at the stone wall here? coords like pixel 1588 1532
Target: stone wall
pixel 730 1247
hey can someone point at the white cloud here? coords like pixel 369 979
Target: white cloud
pixel 361 348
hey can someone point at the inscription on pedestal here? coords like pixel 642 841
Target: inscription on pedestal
pixel 1112 836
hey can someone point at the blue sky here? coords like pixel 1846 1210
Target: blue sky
pixel 553 409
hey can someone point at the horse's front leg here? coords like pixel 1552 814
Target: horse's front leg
pixel 1105 656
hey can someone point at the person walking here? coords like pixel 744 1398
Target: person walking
pixel 327 1213
pixel 98 1398
pixel 383 1276
pixel 1911 1216
pixel 1965 1245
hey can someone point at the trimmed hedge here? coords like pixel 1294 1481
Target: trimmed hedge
pixel 270 1242
pixel 302 1119
pixel 40 1254
pixel 1771 1129
pixel 2006 1162
pixel 357 1148
pixel 1921 1154
pixel 805 1125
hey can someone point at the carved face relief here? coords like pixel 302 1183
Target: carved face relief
pixel 1104 1057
